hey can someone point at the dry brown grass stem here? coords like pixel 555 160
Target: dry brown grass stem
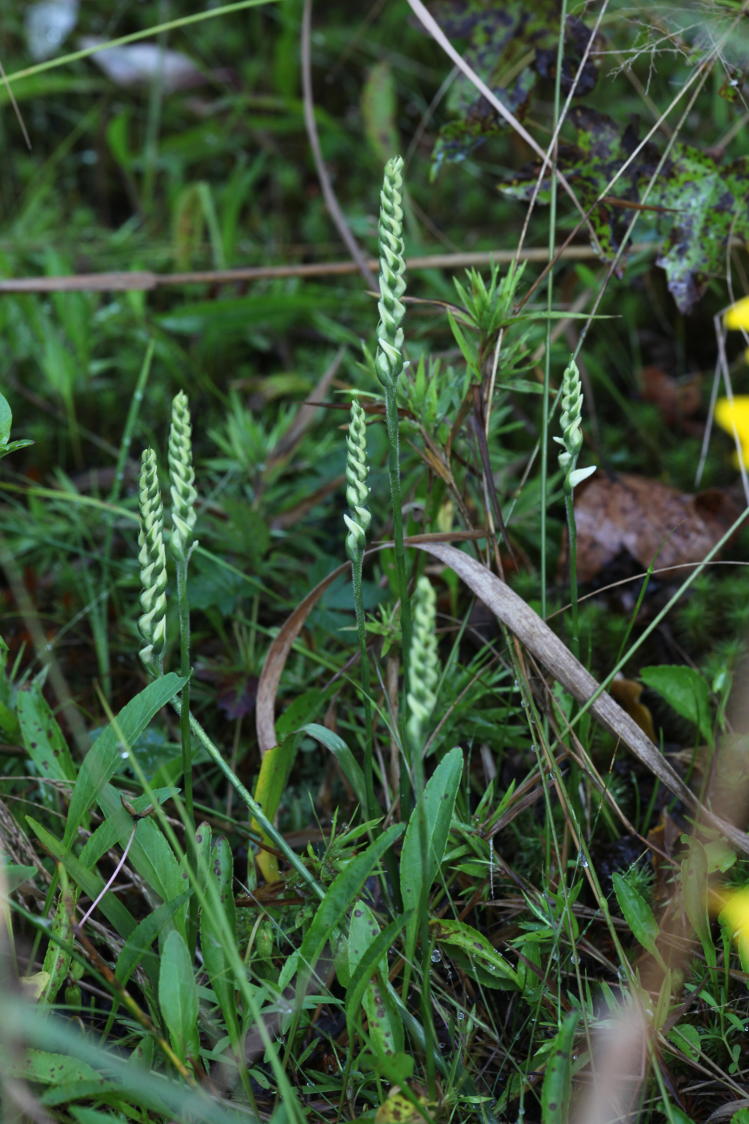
pixel 143 280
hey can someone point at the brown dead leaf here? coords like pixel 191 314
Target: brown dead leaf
pixel 650 521
pixel 677 400
pixel 628 694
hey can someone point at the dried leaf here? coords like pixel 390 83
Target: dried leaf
pixel 628 693
pixel 676 399
pixel 652 522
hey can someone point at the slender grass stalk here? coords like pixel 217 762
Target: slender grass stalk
pixel 389 361
pixel 571 442
pixel 152 559
pixel 181 545
pixel 357 523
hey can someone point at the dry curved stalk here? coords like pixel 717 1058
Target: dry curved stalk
pixel 533 633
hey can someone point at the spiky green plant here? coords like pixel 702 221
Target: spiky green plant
pixel 152 560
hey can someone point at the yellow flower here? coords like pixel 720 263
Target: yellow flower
pixel 737 316
pixel 734 913
pixel 732 414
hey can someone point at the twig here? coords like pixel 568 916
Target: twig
pixel 143 280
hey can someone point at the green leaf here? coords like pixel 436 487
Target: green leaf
pixel 426 838
pixel 369 962
pixel 103 757
pixel 214 931
pixel 637 913
pixel 14 446
pixel 42 737
pixel 477 949
pixel 686 1037
pixel 150 853
pixel 6 420
pixel 557 1086
pixel 50 1068
pixel 137 950
pixel 378 105
pixel 343 890
pixel 85 1115
pixel 15 875
pixel 58 955
pixel 275 767
pixel 350 767
pixel 685 690
pixel 385 1027
pixel 178 997
pixel 89 881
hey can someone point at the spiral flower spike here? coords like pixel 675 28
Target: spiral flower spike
pixel 389 357
pixel 152 560
pixel 182 478
pixel 356 483
pixel 572 432
pixel 424 667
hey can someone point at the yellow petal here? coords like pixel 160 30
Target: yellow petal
pixel 737 316
pixel 735 913
pixel 733 416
